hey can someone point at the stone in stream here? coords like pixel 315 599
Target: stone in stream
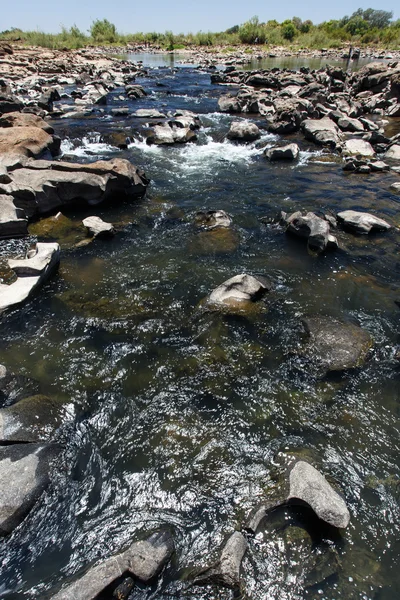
pixel 98 228
pixel 33 419
pixel 41 186
pixel 18 119
pixel 358 147
pixel 148 113
pixel 229 104
pixel 314 229
pixel 24 475
pixel 334 345
pixel 394 152
pixel 321 131
pixel 288 152
pixel 213 218
pixel 395 187
pixel 143 560
pixel 244 131
pixel 9 103
pixel 170 133
pixel 12 220
pixel 238 291
pixel 226 571
pixel 31 272
pixel 361 222
pixel 30 141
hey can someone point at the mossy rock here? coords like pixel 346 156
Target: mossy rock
pixel 60 229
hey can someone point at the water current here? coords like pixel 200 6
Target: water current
pixel 179 418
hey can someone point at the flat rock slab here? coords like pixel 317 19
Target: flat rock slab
pixel 226 571
pixel 32 272
pixel 336 346
pixel 239 289
pixel 288 152
pixel 143 560
pixel 308 485
pixel 24 475
pixel 361 222
pixel 98 228
pixel 358 147
pixel 149 113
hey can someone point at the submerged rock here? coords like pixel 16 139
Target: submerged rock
pixel 98 228
pixel 362 222
pixel 31 272
pixel 59 228
pixel 217 239
pixel 33 419
pixel 288 152
pixel 239 290
pixel 308 485
pixel 336 346
pixel 24 475
pixel 143 560
pixel 226 571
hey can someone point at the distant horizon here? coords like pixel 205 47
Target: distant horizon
pixel 179 16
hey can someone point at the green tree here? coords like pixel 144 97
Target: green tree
pixel 288 30
pixel 103 32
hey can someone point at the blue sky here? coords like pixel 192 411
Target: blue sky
pixel 176 15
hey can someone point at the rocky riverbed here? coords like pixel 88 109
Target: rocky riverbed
pixel 199 303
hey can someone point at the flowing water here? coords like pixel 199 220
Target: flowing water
pixel 180 418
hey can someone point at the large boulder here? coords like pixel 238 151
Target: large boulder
pixel 243 131
pixel 13 222
pixel 31 273
pixel 288 152
pixel 9 103
pixel 358 147
pixel 143 560
pixel 361 222
pixel 24 475
pixel 18 119
pixel 27 141
pixel 170 133
pixel 321 131
pixel 314 229
pixel 226 571
pixel 239 290
pixel 308 485
pixel 42 186
pixel 229 104
pixel 336 346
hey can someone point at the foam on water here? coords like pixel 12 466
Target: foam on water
pixel 90 145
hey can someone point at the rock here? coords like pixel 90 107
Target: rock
pixel 213 218
pixel 27 141
pixel 314 229
pixel 358 147
pixel 98 228
pixel 31 272
pixel 229 104
pixel 361 222
pixel 33 419
pixel 394 152
pixel 321 131
pixel 12 220
pixel 24 475
pixel 42 186
pixel 149 113
pixel 334 345
pixel 17 119
pixel 59 228
pixel 239 290
pixel 46 100
pixel 348 124
pixel 9 103
pixel 378 166
pixel 120 112
pixel 214 241
pixel 185 119
pixel 395 187
pixel 308 485
pixel 289 152
pixel 169 133
pixel 226 571
pixel 244 131
pixel 394 111
pixel 135 91
pixel 143 560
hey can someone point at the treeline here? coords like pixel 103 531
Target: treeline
pixel 364 27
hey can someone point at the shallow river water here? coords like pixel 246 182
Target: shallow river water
pixel 180 418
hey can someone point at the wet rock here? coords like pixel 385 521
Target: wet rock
pixel 143 560
pixel 358 147
pixel 393 153
pixel 325 565
pixel 348 124
pixel 226 571
pixel 229 104
pixel 9 103
pixel 244 131
pixel 314 229
pixel 361 222
pixel 98 228
pixel 24 475
pixel 135 91
pixel 58 228
pixel 288 152
pixel 46 100
pixel 27 141
pixel 334 345
pixel 33 419
pixel 42 186
pixel 239 290
pixel 12 220
pixel 185 119
pixel 395 187
pixel 149 113
pixel 216 240
pixel 18 119
pixel 321 131
pixel 31 273
pixel 123 111
pixel 213 218
pixel 168 134
pixel 308 485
